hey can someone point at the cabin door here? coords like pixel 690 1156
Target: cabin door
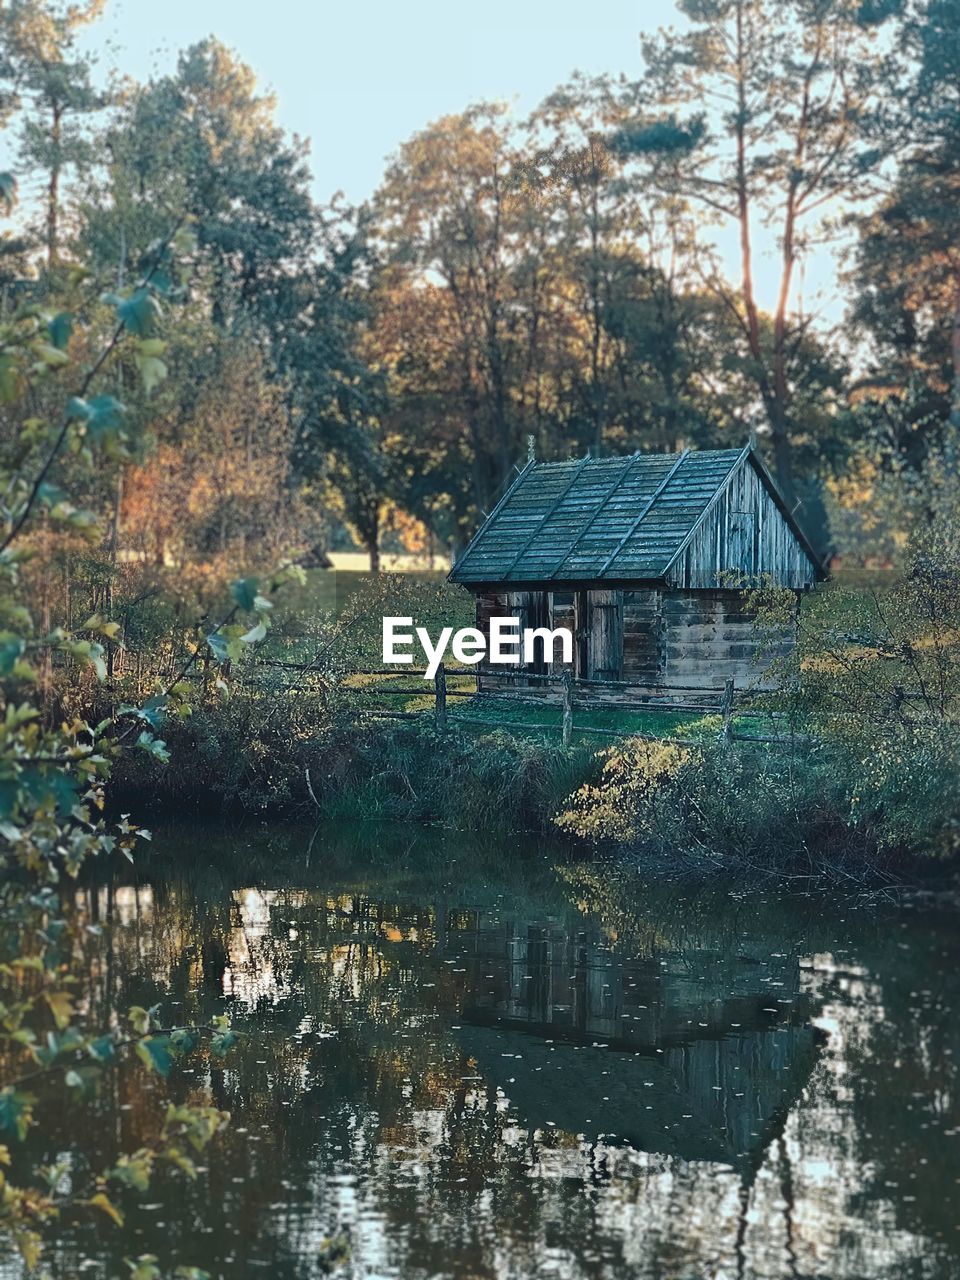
pixel 743 541
pixel 533 610
pixel 599 653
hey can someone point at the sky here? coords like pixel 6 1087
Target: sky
pixel 358 77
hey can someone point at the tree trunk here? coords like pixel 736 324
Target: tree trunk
pixel 372 542
pixel 53 186
pixel 955 354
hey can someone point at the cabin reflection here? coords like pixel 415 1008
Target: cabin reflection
pixel 699 1056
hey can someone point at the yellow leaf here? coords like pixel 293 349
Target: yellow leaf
pixel 106 1205
pixel 61 1006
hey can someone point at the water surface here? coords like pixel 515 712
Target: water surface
pixel 464 1060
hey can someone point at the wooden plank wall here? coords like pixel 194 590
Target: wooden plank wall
pixel 745 532
pixel 644 650
pixel 710 637
pixel 656 638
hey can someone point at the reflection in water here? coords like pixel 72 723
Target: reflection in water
pixel 467 1065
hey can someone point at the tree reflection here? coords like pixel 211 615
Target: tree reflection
pixel 471 1066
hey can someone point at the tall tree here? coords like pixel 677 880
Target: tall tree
pixel 449 208
pixel 759 114
pixel 907 272
pixel 50 83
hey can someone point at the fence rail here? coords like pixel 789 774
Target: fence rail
pixel 723 702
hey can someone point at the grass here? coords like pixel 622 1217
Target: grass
pixel 487 711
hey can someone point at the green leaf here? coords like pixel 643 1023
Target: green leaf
pixel 89 653
pixel 102 1049
pixel 16 1112
pixel 60 328
pixel 155 1054
pixel 152 372
pixel 103 415
pixel 155 747
pixel 106 416
pixel 218 646
pixel 145 1268
pixel 153 710
pixel 39 789
pixel 50 355
pixel 97 622
pixel 61 1006
pixel 138 313
pixel 221 1043
pixel 244 592
pixel 11 649
pixel 139 1019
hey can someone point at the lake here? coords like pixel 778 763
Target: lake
pixel 463 1060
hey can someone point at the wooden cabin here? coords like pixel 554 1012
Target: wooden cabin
pixel 636 557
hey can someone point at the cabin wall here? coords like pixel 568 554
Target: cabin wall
pixel 709 637
pixel 534 609
pixel 648 637
pixel 745 533
pixel 644 651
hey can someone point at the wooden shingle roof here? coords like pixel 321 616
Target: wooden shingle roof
pixel 596 518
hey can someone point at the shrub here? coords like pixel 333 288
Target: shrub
pixel 735 807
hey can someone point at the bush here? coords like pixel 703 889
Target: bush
pixel 714 806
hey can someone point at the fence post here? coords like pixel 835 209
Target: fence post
pixel 440 689
pixel 727 708
pixel 567 709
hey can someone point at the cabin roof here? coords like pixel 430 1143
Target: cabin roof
pixel 614 519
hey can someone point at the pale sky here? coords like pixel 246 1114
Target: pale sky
pixel 358 78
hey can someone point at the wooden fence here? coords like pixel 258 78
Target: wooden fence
pixel 575 695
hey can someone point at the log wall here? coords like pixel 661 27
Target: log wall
pixel 708 637
pixel 694 639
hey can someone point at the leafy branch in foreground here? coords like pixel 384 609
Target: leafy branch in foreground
pixel 53 775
